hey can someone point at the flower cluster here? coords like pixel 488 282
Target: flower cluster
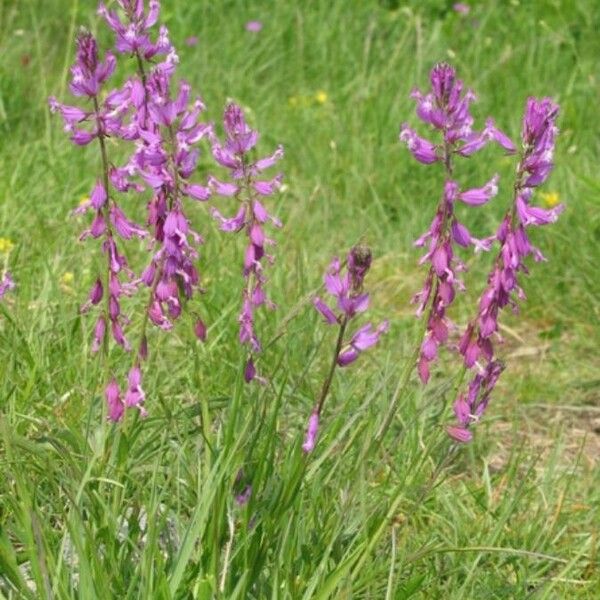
pixel 446 109
pixel 538 138
pixel 164 132
pixel 88 75
pixel 234 155
pixel 348 292
pixel 7 283
pixel 132 37
pixel 469 407
pixel 165 159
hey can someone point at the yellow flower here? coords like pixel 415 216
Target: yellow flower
pixel 550 199
pixel 6 245
pixel 321 97
pixel 67 278
pixel 83 200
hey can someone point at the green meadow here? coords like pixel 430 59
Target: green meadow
pixel 147 510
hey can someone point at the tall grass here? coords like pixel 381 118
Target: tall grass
pixel 514 515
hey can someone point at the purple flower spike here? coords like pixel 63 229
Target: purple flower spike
pixel 345 284
pixel 7 283
pixel 244 496
pixel 446 108
pixel 133 36
pixel 503 289
pixel 234 155
pixel 254 26
pixel 114 402
pixel 312 430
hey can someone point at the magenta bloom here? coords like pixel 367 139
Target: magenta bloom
pixel 132 34
pixel 469 407
pixel 251 216
pixel 191 41
pixel 363 339
pixel 311 433
pixel 446 108
pixel 114 401
pixel 539 133
pixel 254 26
pixel 461 8
pixel 345 286
pixel 7 283
pixel 503 289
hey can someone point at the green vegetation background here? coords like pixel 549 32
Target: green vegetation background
pixel 516 514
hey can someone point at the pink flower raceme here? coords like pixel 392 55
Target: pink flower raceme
pixel 166 131
pixel 469 407
pixel 89 74
pixel 252 216
pixel 7 283
pixel 442 280
pixel 132 35
pixel 503 289
pixel 350 300
pixel 446 109
pixel 347 290
pixel 165 159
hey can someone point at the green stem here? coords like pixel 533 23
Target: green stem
pixel 327 382
pixel 109 235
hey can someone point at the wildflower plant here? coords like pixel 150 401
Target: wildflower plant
pixel 446 108
pixel 7 283
pixel 101 118
pixel 244 185
pixel 346 287
pixel 163 130
pixel 538 138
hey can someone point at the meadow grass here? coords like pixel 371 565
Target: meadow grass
pixel 90 511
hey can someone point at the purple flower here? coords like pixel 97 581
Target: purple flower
pixel 135 396
pixel 442 280
pixel 254 26
pixel 346 288
pixel 94 297
pixel 539 133
pixel 461 8
pixel 200 330
pixel 7 283
pixel 363 339
pixel 446 108
pixel 249 370
pixel 469 407
pixel 191 41
pixel 244 496
pixel 233 155
pixel 132 36
pixel 114 401
pixel 503 289
pixel 310 439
